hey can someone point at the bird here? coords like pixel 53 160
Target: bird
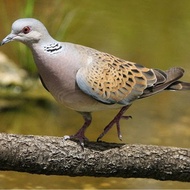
pixel 87 80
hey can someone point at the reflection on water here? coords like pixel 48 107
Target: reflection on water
pixel 155 33
pixel 30 181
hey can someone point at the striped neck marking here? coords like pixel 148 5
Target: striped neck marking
pixel 53 48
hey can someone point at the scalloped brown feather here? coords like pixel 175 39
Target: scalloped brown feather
pixel 114 80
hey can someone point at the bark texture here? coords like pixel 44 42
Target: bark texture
pixel 54 156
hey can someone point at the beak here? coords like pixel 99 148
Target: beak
pixel 7 39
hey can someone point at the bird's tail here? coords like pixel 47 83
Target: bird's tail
pixel 169 81
pixel 179 85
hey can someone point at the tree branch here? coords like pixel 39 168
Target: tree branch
pixel 54 156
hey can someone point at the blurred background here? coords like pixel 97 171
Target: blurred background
pixel 150 32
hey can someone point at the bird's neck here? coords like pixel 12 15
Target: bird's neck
pixel 44 51
pixel 49 45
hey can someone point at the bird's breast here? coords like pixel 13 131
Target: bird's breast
pixel 58 72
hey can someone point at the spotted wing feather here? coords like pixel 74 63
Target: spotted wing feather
pixel 113 80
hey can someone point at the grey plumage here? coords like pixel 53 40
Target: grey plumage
pixel 87 80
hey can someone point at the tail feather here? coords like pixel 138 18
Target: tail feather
pixel 179 85
pixel 167 80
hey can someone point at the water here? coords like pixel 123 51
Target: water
pixel 151 124
pixel 154 33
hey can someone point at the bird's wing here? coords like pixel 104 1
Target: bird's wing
pixel 113 80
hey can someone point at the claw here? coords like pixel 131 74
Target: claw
pixel 66 137
pixel 126 117
pixel 80 136
pixel 77 137
pixel 118 131
pixel 116 121
pixel 80 139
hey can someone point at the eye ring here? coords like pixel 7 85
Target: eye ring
pixel 26 30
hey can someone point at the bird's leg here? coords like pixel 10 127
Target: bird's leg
pixel 80 135
pixel 116 121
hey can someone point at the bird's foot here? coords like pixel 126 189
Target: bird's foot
pixel 118 125
pixel 110 125
pixel 77 137
pixel 116 121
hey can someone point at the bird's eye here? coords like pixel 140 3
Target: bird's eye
pixel 26 30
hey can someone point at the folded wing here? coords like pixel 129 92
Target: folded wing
pixel 112 80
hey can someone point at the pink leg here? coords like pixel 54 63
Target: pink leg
pixel 116 121
pixel 80 135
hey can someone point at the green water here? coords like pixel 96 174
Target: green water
pixel 154 33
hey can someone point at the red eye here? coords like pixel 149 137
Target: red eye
pixel 26 30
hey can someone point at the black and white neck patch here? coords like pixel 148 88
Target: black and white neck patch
pixel 53 48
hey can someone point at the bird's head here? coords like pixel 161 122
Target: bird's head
pixel 27 31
